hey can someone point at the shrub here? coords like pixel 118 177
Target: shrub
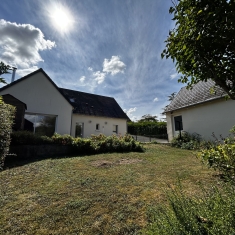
pixel 62 139
pixel 212 213
pixel 187 141
pixel 103 144
pixel 95 144
pixel 7 113
pixel 28 138
pixel 221 156
pixel 147 128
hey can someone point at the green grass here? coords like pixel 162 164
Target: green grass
pixel 99 194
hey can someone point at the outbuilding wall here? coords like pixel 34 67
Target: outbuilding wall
pixel 217 116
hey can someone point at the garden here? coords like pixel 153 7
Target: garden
pixel 116 185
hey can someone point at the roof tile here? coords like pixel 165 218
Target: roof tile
pixel 200 93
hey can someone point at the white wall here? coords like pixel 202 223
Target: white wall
pixel 216 116
pixel 41 97
pixel 91 121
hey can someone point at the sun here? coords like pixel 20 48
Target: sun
pixel 61 18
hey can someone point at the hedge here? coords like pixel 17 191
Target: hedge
pixel 7 114
pixel 93 145
pixel 147 128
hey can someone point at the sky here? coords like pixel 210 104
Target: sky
pixel 105 47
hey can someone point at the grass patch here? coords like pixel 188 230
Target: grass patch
pixel 99 194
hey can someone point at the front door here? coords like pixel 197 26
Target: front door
pixel 79 129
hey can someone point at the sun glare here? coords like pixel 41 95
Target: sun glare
pixel 61 18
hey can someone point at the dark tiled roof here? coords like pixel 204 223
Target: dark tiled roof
pixel 200 93
pixel 94 105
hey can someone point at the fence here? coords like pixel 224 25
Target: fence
pixel 152 138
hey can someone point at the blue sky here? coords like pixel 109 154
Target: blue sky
pixel 107 47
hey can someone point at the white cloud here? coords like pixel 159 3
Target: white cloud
pixel 23 72
pixel 90 68
pixel 130 112
pixel 155 100
pixel 82 79
pixel 174 75
pixel 114 65
pixel 99 76
pixel 20 44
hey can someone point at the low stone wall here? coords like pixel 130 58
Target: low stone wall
pixel 35 151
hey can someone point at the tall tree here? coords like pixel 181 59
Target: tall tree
pixel 3 70
pixel 148 118
pixel 171 96
pixel 203 42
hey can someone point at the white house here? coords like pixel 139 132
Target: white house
pixel 52 109
pixel 199 111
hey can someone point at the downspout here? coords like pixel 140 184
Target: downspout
pixel 71 122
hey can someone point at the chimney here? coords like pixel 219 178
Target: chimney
pixel 13 74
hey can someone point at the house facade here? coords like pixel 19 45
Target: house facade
pixel 52 109
pixel 199 111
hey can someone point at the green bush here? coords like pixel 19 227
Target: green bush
pixel 103 144
pixel 28 138
pixel 187 141
pixel 157 129
pixel 7 114
pixel 95 144
pixel 221 156
pixel 212 213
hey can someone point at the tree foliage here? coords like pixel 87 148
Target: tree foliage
pixel 148 118
pixel 203 43
pixel 171 96
pixel 3 70
pixel 147 128
pixel 6 121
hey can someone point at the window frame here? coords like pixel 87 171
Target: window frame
pixel 179 126
pixel 41 114
pixel 116 129
pixel 97 127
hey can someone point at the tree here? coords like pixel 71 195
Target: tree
pixel 203 43
pixel 3 70
pixel 171 96
pixel 148 118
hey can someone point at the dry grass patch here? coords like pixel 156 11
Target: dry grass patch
pixel 99 194
pixel 104 163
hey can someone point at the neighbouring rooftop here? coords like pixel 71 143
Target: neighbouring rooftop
pixel 200 93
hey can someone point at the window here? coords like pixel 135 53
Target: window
pixel 79 130
pixel 178 123
pixel 115 129
pixel 97 127
pixel 40 124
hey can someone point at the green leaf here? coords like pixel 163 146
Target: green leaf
pixel 199 12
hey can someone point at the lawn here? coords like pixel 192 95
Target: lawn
pixel 98 194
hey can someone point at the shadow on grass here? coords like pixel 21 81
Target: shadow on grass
pixel 12 161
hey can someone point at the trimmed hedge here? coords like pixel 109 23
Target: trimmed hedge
pixel 147 128
pixel 93 145
pixel 7 114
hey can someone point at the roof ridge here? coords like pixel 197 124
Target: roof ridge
pixel 85 92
